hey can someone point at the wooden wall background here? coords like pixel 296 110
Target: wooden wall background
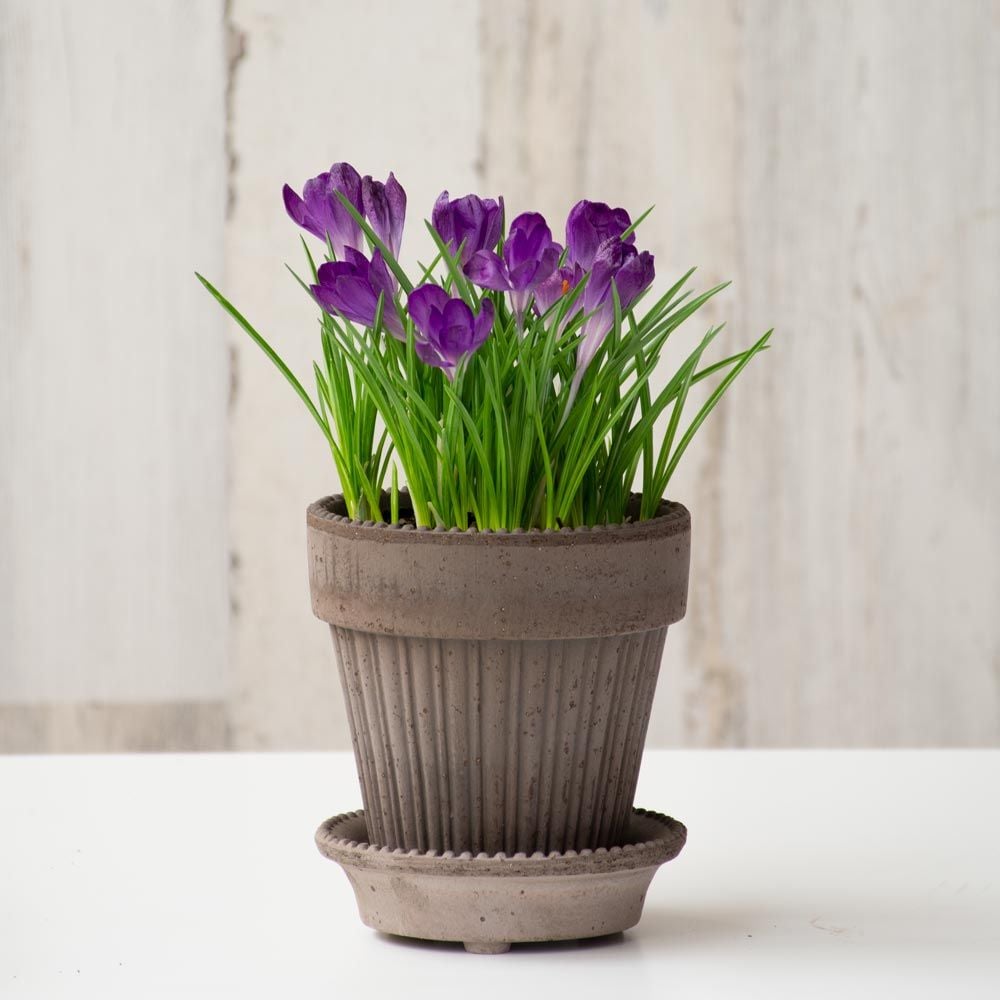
pixel 839 161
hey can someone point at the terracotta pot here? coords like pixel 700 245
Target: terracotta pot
pixel 498 684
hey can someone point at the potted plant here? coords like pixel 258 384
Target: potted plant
pixel 497 591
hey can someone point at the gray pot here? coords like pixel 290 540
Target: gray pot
pixel 498 684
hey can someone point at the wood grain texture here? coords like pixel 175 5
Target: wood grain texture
pixel 119 727
pixel 318 83
pixel 112 368
pixel 840 162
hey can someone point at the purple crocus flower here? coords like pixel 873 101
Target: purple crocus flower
pixel 632 273
pixel 472 223
pixel 589 225
pixel 561 282
pixel 321 212
pixel 447 330
pixel 385 209
pixel 529 257
pixel 351 288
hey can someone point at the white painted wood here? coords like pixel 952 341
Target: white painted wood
pixel 840 161
pixel 375 85
pixel 113 378
pixel 842 164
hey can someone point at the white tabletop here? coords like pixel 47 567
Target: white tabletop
pixel 806 873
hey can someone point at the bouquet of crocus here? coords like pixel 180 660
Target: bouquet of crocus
pixel 510 382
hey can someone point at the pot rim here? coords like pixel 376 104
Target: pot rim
pixel 328 514
pixel 568 584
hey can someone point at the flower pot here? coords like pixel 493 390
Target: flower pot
pixel 498 684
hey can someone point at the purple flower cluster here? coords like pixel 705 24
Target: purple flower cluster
pixel 322 213
pixel 530 267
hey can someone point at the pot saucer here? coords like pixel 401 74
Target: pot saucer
pixel 488 901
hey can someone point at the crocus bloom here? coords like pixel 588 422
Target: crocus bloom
pixel 529 257
pixel 385 209
pixel 351 288
pixel 321 212
pixel 561 282
pixel 472 223
pixel 447 330
pixel 590 224
pixel 632 273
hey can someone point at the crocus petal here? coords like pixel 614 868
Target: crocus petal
pixel 487 270
pixel 298 213
pixel 548 263
pixel 396 197
pixel 611 256
pixel 380 276
pixel 320 210
pixel 483 324
pixel 454 336
pixel 494 221
pixel 590 223
pixel 634 277
pixel 351 288
pixel 355 258
pixel 441 219
pixel 470 223
pixel 385 208
pixel 348 294
pixel 522 277
pixel 429 355
pixel 423 302
pixel 560 282
pixel 529 235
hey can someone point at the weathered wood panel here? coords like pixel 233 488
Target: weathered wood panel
pixel 113 380
pixel 840 162
pixel 378 86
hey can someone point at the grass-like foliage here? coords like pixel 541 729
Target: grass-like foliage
pixel 543 418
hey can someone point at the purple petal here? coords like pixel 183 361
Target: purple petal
pixel 455 335
pixel 487 270
pixel 423 303
pixel 380 277
pixel 610 258
pixel 483 324
pixel 344 178
pixel 355 258
pixel 470 222
pixel 494 222
pixel 430 356
pixel 548 263
pixel 590 223
pixel 396 197
pixel 298 213
pixel 347 294
pixel 441 219
pixel 329 217
pixel 523 276
pixel 351 288
pixel 634 277
pixel 553 288
pixel 385 208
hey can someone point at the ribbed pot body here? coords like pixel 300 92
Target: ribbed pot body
pixel 498 686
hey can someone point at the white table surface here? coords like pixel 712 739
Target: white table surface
pixel 806 874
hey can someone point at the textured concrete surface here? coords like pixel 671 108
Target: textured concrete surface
pixel 491 901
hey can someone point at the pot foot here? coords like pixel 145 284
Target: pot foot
pixel 487 947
